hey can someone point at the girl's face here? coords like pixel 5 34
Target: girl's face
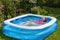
pixel 43 18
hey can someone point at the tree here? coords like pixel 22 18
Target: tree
pixel 42 11
pixel 51 3
pixel 9 9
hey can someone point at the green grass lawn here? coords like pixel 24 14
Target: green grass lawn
pixel 54 36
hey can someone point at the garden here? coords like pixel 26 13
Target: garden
pixel 13 8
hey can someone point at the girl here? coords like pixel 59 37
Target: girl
pixel 38 22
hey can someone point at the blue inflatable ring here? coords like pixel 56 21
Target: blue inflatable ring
pixel 13 28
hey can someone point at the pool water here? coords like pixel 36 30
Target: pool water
pixel 29 25
pixel 23 20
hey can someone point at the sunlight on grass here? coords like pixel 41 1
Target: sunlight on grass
pixel 56 34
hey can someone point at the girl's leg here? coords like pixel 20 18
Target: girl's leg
pixel 30 23
pixel 33 23
pixel 27 23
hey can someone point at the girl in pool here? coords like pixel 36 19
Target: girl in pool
pixel 38 22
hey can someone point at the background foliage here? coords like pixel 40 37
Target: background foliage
pixel 13 8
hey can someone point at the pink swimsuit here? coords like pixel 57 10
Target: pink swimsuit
pixel 39 22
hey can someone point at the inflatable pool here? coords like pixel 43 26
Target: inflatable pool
pixel 13 28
